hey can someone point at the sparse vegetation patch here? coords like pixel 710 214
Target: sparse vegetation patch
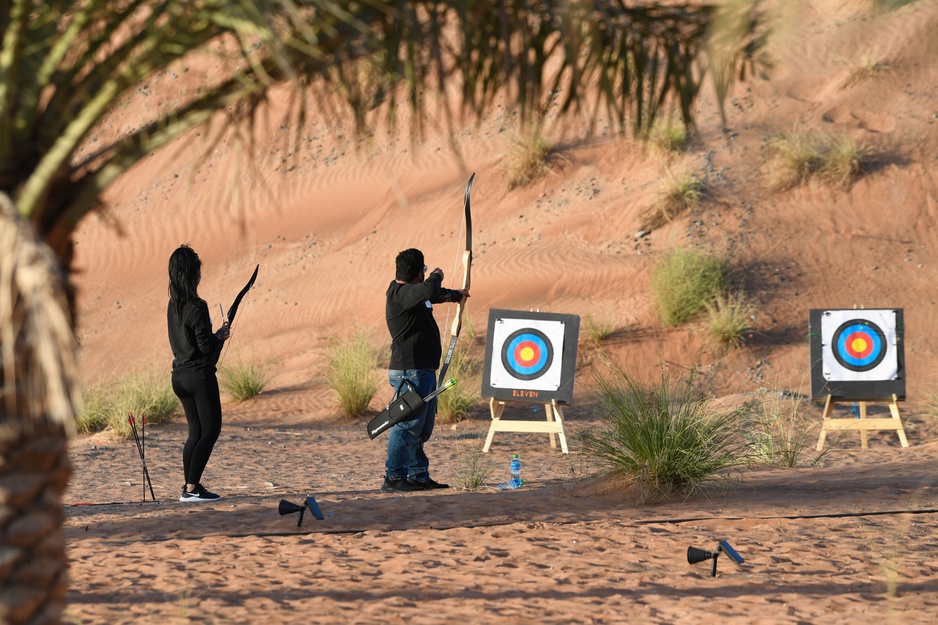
pixel 472 467
pixel 796 158
pixel 780 430
pixel 107 404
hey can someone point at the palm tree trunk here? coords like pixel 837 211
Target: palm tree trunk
pixel 33 564
pixel 37 409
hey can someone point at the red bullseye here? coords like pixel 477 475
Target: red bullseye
pixel 527 353
pixel 858 345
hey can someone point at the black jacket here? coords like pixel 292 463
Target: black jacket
pixel 195 348
pixel 415 337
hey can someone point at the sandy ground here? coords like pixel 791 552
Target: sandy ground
pixel 848 541
pixel 852 541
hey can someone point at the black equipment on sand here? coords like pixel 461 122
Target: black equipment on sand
pixel 288 507
pixel 695 555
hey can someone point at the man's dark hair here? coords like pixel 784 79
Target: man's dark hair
pixel 409 265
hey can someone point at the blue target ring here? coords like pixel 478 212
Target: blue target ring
pixel 527 354
pixel 859 345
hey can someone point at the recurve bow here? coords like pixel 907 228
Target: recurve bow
pixel 237 302
pixel 461 306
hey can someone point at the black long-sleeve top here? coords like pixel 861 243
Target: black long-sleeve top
pixel 195 348
pixel 415 337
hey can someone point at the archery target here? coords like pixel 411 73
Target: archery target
pixel 527 354
pixel 530 354
pixel 859 345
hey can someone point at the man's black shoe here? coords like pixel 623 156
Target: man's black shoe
pixel 400 485
pixel 427 483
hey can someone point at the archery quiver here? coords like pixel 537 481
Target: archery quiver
pixel 401 408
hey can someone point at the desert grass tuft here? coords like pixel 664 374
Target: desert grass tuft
pixel 845 160
pixel 526 160
pixel 668 135
pixel 351 372
pixel 597 330
pixel 865 66
pixel 729 317
pixel 684 280
pixel 244 379
pixel 472 468
pixel 146 393
pixel 677 194
pixel 663 435
pixel 796 158
pixel 780 430
pixel 453 404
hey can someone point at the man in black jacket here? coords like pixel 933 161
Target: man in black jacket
pixel 415 356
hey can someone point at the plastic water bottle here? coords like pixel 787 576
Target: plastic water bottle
pixel 514 470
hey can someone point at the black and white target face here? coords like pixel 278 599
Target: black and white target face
pixel 529 354
pixel 859 345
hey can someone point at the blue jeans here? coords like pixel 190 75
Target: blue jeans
pixel 406 457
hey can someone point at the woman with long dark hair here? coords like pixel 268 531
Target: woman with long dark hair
pixel 195 352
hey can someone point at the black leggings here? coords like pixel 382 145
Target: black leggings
pixel 201 401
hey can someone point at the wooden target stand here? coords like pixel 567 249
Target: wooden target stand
pixel 553 426
pixel 863 423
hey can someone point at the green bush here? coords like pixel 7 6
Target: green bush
pixel 664 436
pixel 684 280
pixel 146 393
pixel 351 372
pixel 244 379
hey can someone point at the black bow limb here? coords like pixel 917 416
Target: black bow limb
pixel 237 302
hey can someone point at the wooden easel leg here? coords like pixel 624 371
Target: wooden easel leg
pixel 549 413
pixel 894 409
pixel 824 416
pixel 496 408
pixel 558 415
pixel 864 435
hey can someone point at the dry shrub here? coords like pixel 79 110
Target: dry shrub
pixel 677 194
